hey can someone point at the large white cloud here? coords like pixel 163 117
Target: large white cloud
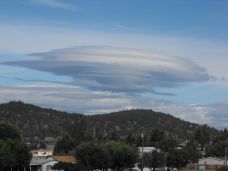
pixel 117 69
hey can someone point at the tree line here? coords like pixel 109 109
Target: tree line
pixel 14 153
pixel 93 148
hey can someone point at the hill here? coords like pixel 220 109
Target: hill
pixel 139 121
pixel 37 124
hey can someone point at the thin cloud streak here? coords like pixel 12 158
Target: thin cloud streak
pixel 53 4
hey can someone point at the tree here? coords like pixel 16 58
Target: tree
pixel 177 159
pixel 77 135
pixel 130 139
pixel 8 131
pixel 217 149
pixel 13 151
pixel 154 159
pixel 64 145
pixel 21 154
pixel 156 136
pixel 167 144
pixel 79 132
pixel 223 168
pixel 104 155
pixel 123 155
pixel 202 135
pixel 192 150
pixel 93 155
pixel 43 145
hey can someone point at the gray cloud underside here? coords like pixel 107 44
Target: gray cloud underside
pixel 117 69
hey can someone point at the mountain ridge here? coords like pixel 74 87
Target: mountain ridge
pixel 37 123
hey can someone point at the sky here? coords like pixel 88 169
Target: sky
pixel 100 56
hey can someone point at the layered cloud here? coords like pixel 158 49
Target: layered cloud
pixel 117 69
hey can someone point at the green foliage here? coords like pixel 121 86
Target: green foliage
pixel 13 152
pixel 224 168
pixel 8 131
pixel 217 147
pixel 123 155
pixel 154 159
pixel 103 155
pixel 202 135
pixel 156 135
pixel 177 159
pixel 79 132
pixel 37 123
pixel 130 139
pixel 92 155
pixel 64 145
pixel 193 153
pixel 167 144
pixel 135 122
pixel 77 135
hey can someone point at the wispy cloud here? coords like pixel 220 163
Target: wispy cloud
pixel 53 4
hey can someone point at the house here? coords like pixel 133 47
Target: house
pixel 147 149
pixel 182 145
pixel 211 163
pixel 46 163
pixel 42 152
pixel 42 164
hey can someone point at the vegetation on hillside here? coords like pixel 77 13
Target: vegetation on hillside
pixel 108 140
pixel 37 124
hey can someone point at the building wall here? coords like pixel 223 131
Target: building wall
pixel 47 166
pixel 42 153
pixel 211 161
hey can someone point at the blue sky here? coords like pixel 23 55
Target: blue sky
pixel 108 55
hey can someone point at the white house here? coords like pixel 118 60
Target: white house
pixel 182 144
pixel 46 164
pixel 211 163
pixel 42 164
pixel 42 152
pixel 147 149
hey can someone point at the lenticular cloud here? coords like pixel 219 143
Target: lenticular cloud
pixel 117 69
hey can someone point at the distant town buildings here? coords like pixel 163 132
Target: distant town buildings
pixel 211 163
pixel 148 149
pixel 46 163
pixel 42 152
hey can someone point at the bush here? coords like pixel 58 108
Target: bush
pixel 223 168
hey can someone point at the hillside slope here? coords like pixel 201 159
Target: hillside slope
pixel 36 123
pixel 144 121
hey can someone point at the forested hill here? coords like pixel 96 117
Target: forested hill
pixel 144 121
pixel 36 123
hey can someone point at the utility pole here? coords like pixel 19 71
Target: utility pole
pixel 142 154
pixel 225 155
pixel 226 152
